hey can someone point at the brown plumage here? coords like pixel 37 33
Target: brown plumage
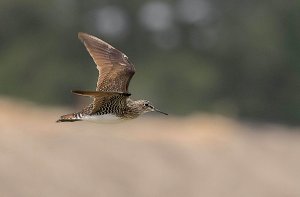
pixel 111 98
pixel 115 70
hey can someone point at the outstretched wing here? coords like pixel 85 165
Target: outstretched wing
pixel 115 70
pixel 101 98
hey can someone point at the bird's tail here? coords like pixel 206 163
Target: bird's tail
pixel 70 117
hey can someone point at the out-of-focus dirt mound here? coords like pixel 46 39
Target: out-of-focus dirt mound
pixel 200 155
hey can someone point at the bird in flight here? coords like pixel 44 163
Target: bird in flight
pixel 111 100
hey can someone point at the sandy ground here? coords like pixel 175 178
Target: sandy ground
pixel 154 156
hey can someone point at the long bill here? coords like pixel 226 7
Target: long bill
pixel 157 110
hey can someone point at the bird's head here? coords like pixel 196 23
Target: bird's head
pixel 145 106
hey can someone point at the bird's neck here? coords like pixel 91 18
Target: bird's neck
pixel 132 109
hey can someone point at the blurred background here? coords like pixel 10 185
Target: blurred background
pixel 228 72
pixel 236 58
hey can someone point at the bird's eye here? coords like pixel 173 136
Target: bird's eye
pixel 146 104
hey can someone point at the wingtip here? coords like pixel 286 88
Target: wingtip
pixel 83 93
pixel 81 35
pixel 74 91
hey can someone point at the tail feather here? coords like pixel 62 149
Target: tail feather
pixel 69 118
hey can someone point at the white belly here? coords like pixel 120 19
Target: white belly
pixel 106 118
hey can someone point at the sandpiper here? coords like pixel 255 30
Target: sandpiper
pixel 111 100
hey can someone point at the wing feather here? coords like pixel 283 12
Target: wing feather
pixel 101 98
pixel 115 70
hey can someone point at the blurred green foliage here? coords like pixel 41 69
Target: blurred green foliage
pixel 238 58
